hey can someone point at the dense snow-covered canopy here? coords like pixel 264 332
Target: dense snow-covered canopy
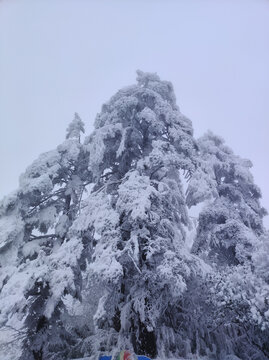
pixel 94 245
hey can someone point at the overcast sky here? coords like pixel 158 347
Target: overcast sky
pixel 58 57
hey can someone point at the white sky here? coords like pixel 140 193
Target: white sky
pixel 58 57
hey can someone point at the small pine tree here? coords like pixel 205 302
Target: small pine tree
pixel 75 128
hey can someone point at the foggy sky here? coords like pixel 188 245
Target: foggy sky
pixel 58 57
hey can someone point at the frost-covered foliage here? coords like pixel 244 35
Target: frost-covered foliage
pixel 94 247
pixel 231 237
pixel 140 142
pixel 38 258
pixel 75 128
pixel 231 220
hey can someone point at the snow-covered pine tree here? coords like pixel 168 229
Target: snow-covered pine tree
pixel 231 220
pixel 89 275
pixel 75 128
pixel 240 294
pixel 137 215
pixel 39 261
pixel 231 237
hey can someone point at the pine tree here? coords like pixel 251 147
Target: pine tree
pixel 94 245
pixel 39 259
pixel 230 230
pixel 231 221
pixel 75 128
pixel 137 215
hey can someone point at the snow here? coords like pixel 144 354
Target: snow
pixel 121 148
pixel 101 312
pixel 41 183
pixel 105 264
pixel 70 148
pixel 97 213
pixel 62 226
pixel 128 260
pixel 10 228
pixel 60 279
pixel 32 247
pixel 10 344
pixel 12 296
pixel 135 195
pixel 75 128
pixel 170 273
pixel 97 147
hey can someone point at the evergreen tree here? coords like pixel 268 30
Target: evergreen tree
pixel 230 230
pixel 75 128
pixel 137 215
pixel 94 245
pixel 38 258
pixel 231 220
